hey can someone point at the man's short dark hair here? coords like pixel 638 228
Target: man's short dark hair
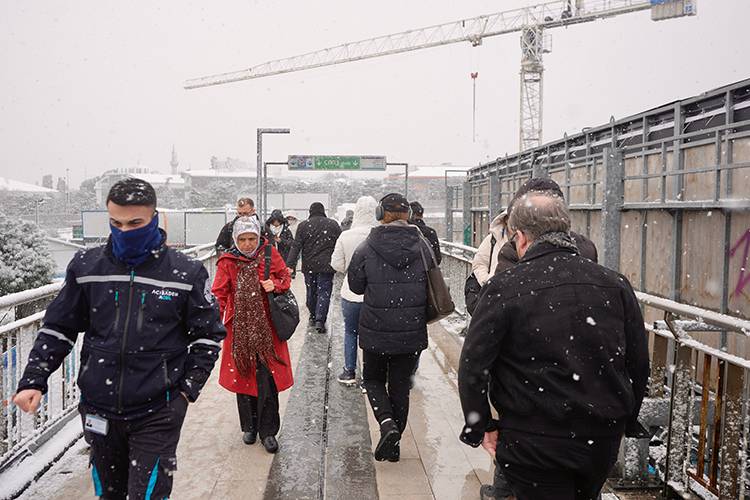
pixel 539 213
pixel 132 191
pixel 246 201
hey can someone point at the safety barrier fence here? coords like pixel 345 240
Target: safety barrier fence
pixel 696 411
pixel 21 434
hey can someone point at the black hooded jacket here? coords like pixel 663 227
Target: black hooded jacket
pixel 388 269
pixel 315 240
pixel 286 239
pixel 564 343
pixel 431 236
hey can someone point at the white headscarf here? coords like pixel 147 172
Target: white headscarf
pixel 246 225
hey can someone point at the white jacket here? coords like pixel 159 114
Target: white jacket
pixel 481 263
pixel 362 221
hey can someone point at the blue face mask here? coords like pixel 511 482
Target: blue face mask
pixel 133 247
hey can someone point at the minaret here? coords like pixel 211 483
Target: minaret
pixel 174 163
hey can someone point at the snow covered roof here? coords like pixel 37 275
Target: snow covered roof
pixel 22 187
pixel 219 173
pixel 160 179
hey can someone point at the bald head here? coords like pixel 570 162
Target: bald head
pixel 535 214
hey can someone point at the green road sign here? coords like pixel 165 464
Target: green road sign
pixel 300 162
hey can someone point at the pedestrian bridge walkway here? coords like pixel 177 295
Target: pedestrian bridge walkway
pixel 696 410
pixel 326 437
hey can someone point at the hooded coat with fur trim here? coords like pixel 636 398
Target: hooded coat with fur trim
pixel 388 269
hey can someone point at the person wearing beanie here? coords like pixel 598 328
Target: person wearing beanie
pixel 315 240
pixel 151 338
pixel 417 214
pixel 255 364
pixel 390 270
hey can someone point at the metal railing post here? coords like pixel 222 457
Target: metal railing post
pixel 614 192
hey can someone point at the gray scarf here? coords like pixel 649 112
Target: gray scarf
pixel 558 239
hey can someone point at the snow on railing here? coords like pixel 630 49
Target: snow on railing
pixel 706 438
pixel 19 431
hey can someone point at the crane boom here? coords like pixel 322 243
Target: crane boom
pixel 473 30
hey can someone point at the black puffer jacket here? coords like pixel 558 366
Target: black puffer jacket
pixel 431 236
pixel 315 240
pixel 507 257
pixel 387 268
pixel 564 343
pixel 149 332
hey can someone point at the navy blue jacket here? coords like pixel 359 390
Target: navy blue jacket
pixel 150 332
pixel 388 269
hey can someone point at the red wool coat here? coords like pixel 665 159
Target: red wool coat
pixel 224 287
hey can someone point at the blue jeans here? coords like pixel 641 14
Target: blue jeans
pixel 319 286
pixel 350 310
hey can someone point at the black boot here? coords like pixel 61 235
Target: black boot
pixel 388 446
pixel 320 327
pixel 249 437
pixel 270 444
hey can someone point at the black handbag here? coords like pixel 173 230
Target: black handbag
pixel 439 301
pixel 472 286
pixel 284 308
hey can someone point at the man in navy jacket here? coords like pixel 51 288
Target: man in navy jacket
pixel 151 338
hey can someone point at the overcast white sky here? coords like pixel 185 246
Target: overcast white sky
pixel 93 85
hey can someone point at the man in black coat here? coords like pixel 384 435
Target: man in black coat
pixel 151 337
pixel 507 257
pixel 389 269
pixel 245 208
pixel 417 213
pixel 561 342
pixel 315 240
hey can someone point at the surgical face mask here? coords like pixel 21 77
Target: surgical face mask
pixel 276 230
pixel 133 247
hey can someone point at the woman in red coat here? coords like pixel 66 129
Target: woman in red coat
pixel 255 364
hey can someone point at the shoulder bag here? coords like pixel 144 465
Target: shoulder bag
pixel 284 308
pixel 439 301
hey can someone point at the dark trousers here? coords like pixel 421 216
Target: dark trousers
pixel 387 379
pixel 136 458
pixel 564 468
pixel 319 287
pixel 260 414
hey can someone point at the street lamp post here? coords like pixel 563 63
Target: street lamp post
pixel 259 173
pixel 36 204
pixel 406 176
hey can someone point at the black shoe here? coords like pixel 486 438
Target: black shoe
pixel 311 323
pixel 396 455
pixel 387 447
pixel 270 444
pixel 320 327
pixel 249 437
pixel 347 378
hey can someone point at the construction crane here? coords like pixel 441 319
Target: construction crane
pixel 531 22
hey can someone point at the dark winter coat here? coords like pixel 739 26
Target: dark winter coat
pixel 564 343
pixel 285 239
pixel 387 268
pixel 431 236
pixel 508 257
pixel 346 224
pixel 315 240
pixel 224 242
pixel 224 288
pixel 149 332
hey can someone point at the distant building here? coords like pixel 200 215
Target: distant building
pixel 161 182
pixel 11 186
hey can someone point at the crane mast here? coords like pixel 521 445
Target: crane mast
pixel 531 22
